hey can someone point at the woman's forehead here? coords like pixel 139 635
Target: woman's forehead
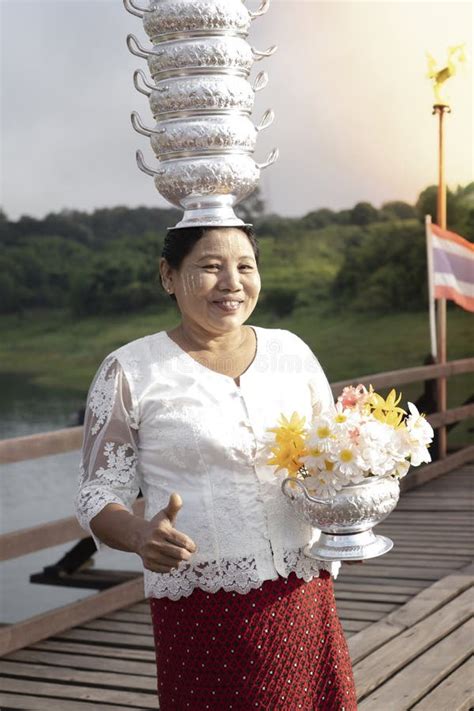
pixel 229 242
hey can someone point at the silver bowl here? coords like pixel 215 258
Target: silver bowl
pixel 208 187
pixel 199 55
pixel 191 95
pixel 184 137
pixel 176 17
pixel 347 519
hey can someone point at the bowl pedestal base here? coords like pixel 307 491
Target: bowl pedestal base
pixel 348 546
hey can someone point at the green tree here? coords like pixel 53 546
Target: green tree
pixel 427 203
pixel 317 219
pixel 397 209
pixel 363 214
pixel 384 269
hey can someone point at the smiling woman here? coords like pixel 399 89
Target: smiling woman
pixel 213 275
pixel 188 411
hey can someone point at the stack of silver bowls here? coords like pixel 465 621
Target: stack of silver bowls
pixel 201 99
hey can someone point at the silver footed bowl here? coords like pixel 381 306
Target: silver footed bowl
pixel 208 187
pixel 183 137
pixel 347 519
pixel 203 94
pixel 231 55
pixel 171 17
pixel 222 54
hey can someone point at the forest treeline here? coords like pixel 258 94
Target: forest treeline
pixel 106 261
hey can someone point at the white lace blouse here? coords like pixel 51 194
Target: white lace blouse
pixel 159 421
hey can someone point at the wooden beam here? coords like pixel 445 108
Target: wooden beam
pixel 399 651
pixel 17 449
pixel 408 375
pixel 454 692
pixel 418 676
pixel 457 414
pixel 25 702
pixel 47 535
pixel 48 624
pixel 424 474
pixel 425 603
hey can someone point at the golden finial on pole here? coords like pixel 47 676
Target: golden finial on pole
pixel 456 57
pixel 440 76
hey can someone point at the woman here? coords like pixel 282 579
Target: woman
pixel 242 618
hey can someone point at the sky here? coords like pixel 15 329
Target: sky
pixel 353 105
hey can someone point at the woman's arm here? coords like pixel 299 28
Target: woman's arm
pixel 160 546
pixel 109 483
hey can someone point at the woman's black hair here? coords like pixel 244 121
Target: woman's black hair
pixel 179 243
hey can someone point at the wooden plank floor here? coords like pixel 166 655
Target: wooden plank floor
pixel 406 616
pixel 433 532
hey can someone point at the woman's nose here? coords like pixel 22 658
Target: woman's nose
pixel 230 279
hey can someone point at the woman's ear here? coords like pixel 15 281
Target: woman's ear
pixel 166 275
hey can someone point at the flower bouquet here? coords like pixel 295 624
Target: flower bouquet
pixel 344 468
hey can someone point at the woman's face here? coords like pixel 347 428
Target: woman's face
pixel 218 283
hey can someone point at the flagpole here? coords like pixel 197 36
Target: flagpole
pixel 431 301
pixel 441 109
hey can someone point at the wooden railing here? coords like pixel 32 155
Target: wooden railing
pixel 29 540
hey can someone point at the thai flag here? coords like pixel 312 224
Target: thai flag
pixel 451 266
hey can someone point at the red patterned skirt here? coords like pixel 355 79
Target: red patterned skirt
pixel 280 647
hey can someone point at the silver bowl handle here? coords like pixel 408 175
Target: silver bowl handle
pixel 139 51
pixel 135 47
pixel 270 160
pixel 138 73
pixel 138 126
pixel 261 10
pixel 144 130
pixel 144 167
pixel 260 81
pixel 134 9
pixel 285 489
pixel 257 55
pixel 152 87
pixel 266 120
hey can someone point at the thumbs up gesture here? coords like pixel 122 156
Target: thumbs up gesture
pixel 162 547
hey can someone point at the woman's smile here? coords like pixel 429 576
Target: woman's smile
pixel 228 305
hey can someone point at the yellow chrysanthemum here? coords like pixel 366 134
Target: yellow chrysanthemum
pixel 290 430
pixel 287 456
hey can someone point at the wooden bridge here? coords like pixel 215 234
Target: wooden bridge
pixel 408 614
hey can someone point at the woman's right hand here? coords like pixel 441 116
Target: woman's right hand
pixel 161 546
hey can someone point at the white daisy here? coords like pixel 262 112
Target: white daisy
pixel 348 463
pixel 324 483
pixel 321 435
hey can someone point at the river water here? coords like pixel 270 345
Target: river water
pixel 38 491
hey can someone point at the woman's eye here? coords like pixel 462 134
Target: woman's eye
pixel 246 266
pixel 211 266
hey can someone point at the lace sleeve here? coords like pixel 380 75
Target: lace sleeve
pixel 109 452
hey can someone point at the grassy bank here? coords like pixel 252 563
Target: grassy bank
pixel 53 351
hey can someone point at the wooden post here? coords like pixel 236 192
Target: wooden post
pixel 441 109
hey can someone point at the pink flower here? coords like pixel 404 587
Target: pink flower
pixel 353 396
pixel 354 435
